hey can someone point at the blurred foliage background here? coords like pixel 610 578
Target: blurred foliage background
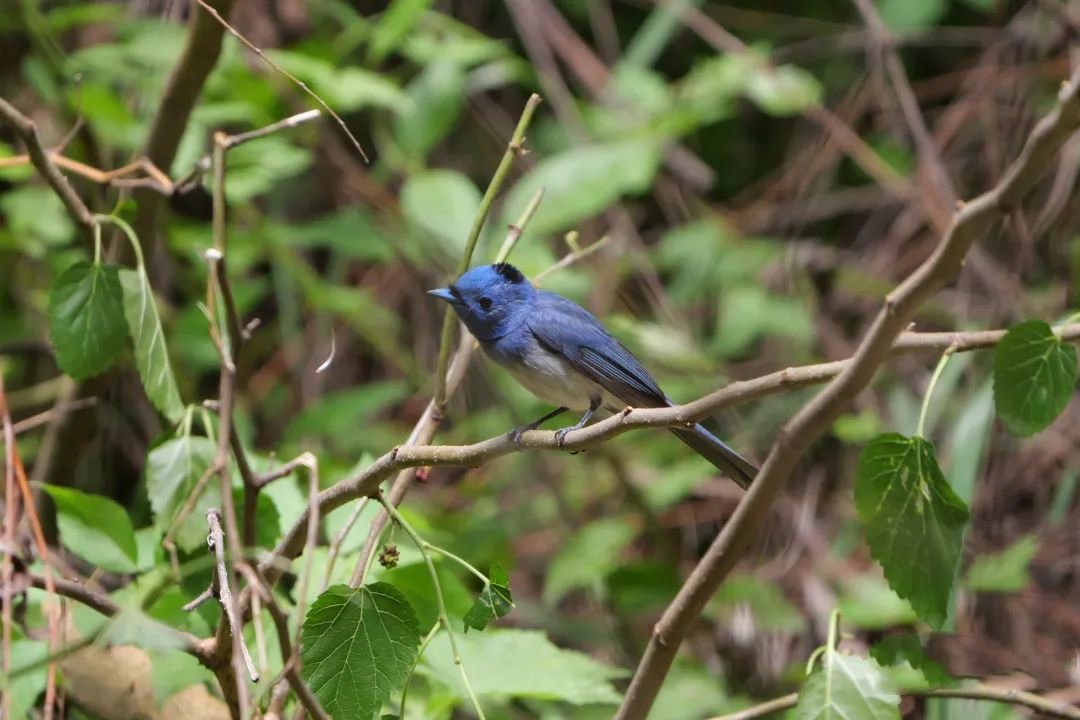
pixel 758 190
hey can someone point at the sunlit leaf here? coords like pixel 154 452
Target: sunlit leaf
pixel 580 182
pixel 1006 571
pixel 785 90
pixel 846 686
pixel 359 645
pixel 914 522
pixel 438 95
pixel 95 528
pixel 522 664
pixel 494 602
pixel 442 203
pixel 1034 377
pixel 86 319
pixel 395 23
pixel 151 355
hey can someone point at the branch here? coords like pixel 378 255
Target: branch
pixel 197 60
pixel 201 650
pixel 367 481
pixel 216 541
pixel 968 224
pixel 26 129
pixel 1008 696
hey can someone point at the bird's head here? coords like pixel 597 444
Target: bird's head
pixel 490 299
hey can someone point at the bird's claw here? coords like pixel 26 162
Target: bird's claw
pixel 560 437
pixel 515 436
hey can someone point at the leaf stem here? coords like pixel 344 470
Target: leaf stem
pixel 1068 321
pixel 408 678
pixel 513 148
pixel 444 619
pixel 459 560
pixel 919 429
pixel 140 264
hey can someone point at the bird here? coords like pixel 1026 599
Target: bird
pixel 563 355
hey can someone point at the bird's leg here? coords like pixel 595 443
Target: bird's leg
pixel 560 435
pixel 515 434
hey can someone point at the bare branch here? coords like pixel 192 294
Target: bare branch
pixel 216 541
pixel 968 225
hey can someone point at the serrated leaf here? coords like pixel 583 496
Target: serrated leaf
pixel 521 664
pixel 897 649
pixel 359 645
pixel 1034 377
pixel 173 468
pixel 95 528
pixel 846 686
pixel 1006 571
pixel 151 355
pixel 494 602
pixel 914 521
pixel 86 319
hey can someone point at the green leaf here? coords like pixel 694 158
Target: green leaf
pixel 86 319
pixel 587 558
pixel 521 664
pixel 173 469
pixel 151 356
pixel 26 687
pixel 394 25
pixel 1006 571
pixel 897 649
pixel 580 182
pixel 1034 377
pixel 359 645
pixel 845 686
pixel 442 203
pixel 914 522
pixel 494 602
pixel 910 15
pixel 867 602
pixel 785 90
pixel 438 95
pixel 95 528
pixel 257 167
pixel 771 610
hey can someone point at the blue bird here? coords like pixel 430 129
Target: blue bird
pixel 562 354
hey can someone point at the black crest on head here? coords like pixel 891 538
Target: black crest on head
pixel 510 273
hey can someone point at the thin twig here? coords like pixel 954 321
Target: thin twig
pixel 969 224
pixel 513 148
pixel 290 657
pixel 216 541
pixel 43 418
pixel 277 68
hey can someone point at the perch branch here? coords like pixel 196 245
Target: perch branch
pixel 367 481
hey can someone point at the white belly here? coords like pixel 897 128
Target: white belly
pixel 550 378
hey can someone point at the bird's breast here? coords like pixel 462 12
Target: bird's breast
pixel 545 374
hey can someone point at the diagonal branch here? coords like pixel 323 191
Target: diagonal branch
pixel 366 483
pixel 26 130
pixel 968 225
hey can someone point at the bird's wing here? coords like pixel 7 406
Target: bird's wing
pixel 564 327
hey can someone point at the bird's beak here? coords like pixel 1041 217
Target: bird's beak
pixel 443 294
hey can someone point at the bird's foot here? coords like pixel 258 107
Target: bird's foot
pixel 515 435
pixel 560 437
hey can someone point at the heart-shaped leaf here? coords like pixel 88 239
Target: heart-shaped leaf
pixel 86 319
pixel 1034 377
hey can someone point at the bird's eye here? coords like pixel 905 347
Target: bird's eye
pixel 485 303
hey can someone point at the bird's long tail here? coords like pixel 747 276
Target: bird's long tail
pixel 713 449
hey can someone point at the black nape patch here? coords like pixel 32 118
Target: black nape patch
pixel 510 273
